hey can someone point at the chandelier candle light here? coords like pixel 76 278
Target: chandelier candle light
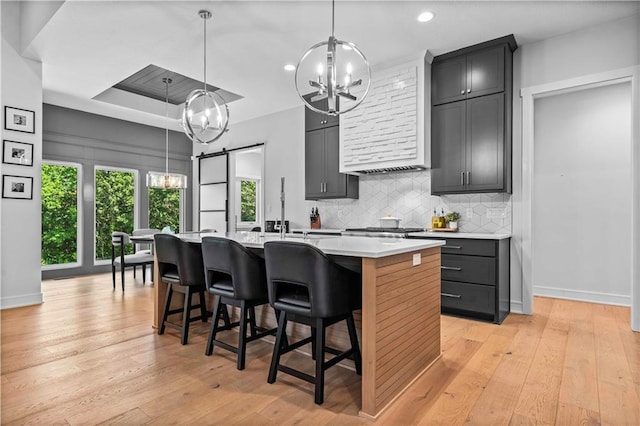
pixel 206 115
pixel 166 180
pixel 331 73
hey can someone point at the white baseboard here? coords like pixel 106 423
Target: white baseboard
pixel 19 301
pixel 516 307
pixel 582 296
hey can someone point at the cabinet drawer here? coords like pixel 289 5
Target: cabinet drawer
pixel 472 269
pixel 468 297
pixel 469 247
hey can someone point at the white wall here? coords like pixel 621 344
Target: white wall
pixel 609 46
pixel 582 195
pixel 283 136
pixel 20 219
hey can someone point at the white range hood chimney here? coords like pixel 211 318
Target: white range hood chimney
pixel 390 130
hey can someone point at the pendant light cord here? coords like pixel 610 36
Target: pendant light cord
pixel 333 17
pixel 205 54
pixel 166 134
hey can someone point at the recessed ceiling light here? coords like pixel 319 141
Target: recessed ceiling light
pixel 425 16
pixel 289 67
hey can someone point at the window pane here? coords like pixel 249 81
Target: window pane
pixel 164 208
pixel 114 208
pixel 248 201
pixel 59 214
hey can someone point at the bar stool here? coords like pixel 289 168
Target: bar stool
pixel 307 287
pixel 180 266
pixel 237 277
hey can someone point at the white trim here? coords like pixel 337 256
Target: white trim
pixel 516 307
pixel 583 296
pixel 529 94
pixel 19 301
pixel 80 227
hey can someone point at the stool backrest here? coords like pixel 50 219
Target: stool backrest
pixel 333 290
pixel 172 252
pixel 224 259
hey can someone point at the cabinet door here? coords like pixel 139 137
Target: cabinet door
pixel 448 81
pixel 314 164
pixel 448 148
pixel 335 182
pixel 485 143
pixel 314 120
pixel 485 72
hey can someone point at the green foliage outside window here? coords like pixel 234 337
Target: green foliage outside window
pixel 164 208
pixel 114 208
pixel 59 214
pixel 248 206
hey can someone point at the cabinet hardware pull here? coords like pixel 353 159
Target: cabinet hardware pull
pixel 453 247
pixel 320 186
pixel 461 178
pixel 468 90
pixel 462 92
pixel 450 268
pixel 468 177
pixel 455 296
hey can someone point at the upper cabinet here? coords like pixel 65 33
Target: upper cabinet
pixel 323 179
pixel 468 76
pixel 471 92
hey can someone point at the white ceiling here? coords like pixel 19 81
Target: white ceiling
pixel 88 46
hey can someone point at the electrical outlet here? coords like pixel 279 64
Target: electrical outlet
pixel 469 213
pixel 417 259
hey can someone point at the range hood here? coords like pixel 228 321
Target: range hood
pixel 390 130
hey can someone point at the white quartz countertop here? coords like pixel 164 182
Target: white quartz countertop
pixel 318 231
pixel 334 245
pixel 472 235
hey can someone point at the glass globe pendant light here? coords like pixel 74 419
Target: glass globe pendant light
pixel 206 115
pixel 166 180
pixel 334 70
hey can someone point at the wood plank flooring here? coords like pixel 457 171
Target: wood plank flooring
pixel 88 355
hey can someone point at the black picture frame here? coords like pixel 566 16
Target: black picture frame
pixel 17 153
pixel 17 187
pixel 19 120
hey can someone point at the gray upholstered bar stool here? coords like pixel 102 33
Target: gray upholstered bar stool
pixel 180 266
pixel 119 240
pixel 307 287
pixel 237 277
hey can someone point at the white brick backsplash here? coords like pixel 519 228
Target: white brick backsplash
pixel 407 195
pixel 384 126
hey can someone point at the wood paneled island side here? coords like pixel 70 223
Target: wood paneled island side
pixel 400 318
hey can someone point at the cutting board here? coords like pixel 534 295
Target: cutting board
pixel 442 229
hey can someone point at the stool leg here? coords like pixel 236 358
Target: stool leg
pixel 186 315
pixel 275 358
pixel 313 342
pixel 252 321
pixel 165 313
pixel 144 273
pixel 113 275
pixel 203 306
pixel 225 316
pixel 242 337
pixel 319 382
pixel 122 275
pixel 134 272
pixel 214 326
pixel 353 336
pixel 151 267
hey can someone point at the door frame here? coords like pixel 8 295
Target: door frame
pixel 529 95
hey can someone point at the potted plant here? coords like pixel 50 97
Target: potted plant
pixel 452 219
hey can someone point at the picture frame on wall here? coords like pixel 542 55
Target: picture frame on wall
pixel 19 120
pixel 18 153
pixel 18 187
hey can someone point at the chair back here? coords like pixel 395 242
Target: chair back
pixel 226 260
pixel 119 238
pixel 144 231
pixel 177 256
pixel 332 289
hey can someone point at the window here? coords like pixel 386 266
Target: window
pixel 115 207
pixel 164 208
pixel 60 215
pixel 248 199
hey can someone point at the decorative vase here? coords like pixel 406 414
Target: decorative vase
pixel 453 225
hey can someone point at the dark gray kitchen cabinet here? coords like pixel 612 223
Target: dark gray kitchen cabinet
pixel 315 120
pixel 468 76
pixel 322 176
pixel 471 119
pixel 475 278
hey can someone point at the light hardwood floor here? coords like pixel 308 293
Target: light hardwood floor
pixel 88 355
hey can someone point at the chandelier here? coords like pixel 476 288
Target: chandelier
pixel 166 180
pixel 334 70
pixel 206 115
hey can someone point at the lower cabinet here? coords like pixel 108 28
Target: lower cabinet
pixel 475 278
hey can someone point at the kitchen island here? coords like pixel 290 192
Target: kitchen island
pixel 400 318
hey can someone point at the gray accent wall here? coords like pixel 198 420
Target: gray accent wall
pixel 94 140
